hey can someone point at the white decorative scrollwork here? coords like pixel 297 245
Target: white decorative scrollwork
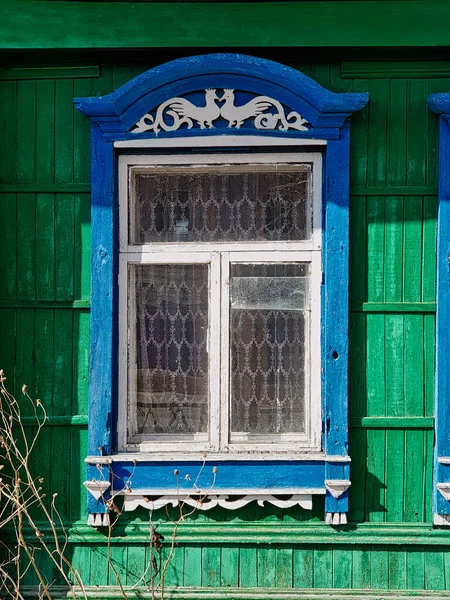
pixel 131 502
pixel 267 114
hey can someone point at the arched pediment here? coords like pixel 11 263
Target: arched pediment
pixel 221 93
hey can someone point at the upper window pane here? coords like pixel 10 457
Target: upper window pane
pixel 233 203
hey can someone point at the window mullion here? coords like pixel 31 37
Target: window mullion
pixel 225 352
pixel 214 352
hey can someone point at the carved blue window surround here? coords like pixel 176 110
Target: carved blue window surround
pixel 440 104
pixel 324 116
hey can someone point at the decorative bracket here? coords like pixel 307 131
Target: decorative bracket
pixel 97 488
pixel 337 487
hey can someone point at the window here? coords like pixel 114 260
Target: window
pixel 220 275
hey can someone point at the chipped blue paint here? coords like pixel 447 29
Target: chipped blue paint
pixel 327 113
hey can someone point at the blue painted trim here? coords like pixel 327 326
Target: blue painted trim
pixel 112 116
pixel 440 104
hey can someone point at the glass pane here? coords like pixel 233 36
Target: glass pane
pixel 220 204
pixel 269 322
pixel 168 381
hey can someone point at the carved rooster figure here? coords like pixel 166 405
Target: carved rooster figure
pixel 181 111
pixel 237 115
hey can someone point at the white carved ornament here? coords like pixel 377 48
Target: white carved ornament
pixel 131 502
pixel 181 111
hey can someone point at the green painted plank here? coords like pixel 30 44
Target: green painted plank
pixel 392 190
pixel 26 246
pixel 323 567
pixel 358 250
pixel 56 421
pixel 380 568
pixel 80 363
pixel 8 127
pixel 412 247
pixel 63 362
pixel 434 570
pixel 428 475
pixel 192 565
pixel 397 569
pixel 211 566
pixel 25 358
pixel 414 365
pixel 394 348
pixel 266 566
pixel 61 473
pixel 417 139
pixel 393 307
pixel 117 566
pixel 99 565
pixel 136 565
pixel 80 559
pixel 415 569
pixel 82 305
pixel 8 336
pixel 375 246
pixel 81 135
pixel 303 566
pixel 393 250
pixel 26 131
pixel 175 566
pixel 202 24
pixel 230 566
pixel 82 248
pixel 395 448
pixel 342 567
pixel 8 246
pixel 414 476
pixel 284 567
pixel 359 141
pixel 378 121
pixel 45 246
pixel 361 568
pixel 375 366
pixel 375 476
pixel 396 147
pixel 78 496
pixel 358 449
pixel 395 423
pixel 64 247
pixel 64 133
pixel 378 69
pixel 357 374
pixel 67 187
pixel 44 335
pixel 45 130
pixel 248 567
pixel 61 72
pixel 429 249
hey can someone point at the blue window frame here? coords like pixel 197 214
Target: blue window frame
pixel 225 101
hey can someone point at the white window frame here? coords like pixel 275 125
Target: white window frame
pixel 219 255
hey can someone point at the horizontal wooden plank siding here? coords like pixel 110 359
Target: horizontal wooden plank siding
pixel 44 328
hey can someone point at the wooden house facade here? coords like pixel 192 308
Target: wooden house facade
pixel 384 69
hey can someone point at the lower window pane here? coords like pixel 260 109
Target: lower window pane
pixel 168 361
pixel 269 341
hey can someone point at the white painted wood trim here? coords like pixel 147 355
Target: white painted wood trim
pixel 180 456
pixel 225 353
pixel 214 340
pixel 218 141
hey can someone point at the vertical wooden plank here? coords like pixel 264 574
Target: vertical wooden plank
pixel 45 331
pixel 193 566
pixel 8 335
pixel 358 452
pixel 175 567
pixel 361 567
pixel 428 475
pixel 117 563
pixel 63 362
pixel 8 127
pixel 137 566
pixel 434 570
pixel 284 572
pixel 82 88
pixel 358 249
pixel 64 111
pixel 8 246
pixel 25 357
pixel 26 246
pixel 248 566
pixel 45 243
pixel 397 568
pixel 429 339
pixel 82 247
pixel 26 131
pixel 394 478
pixel 342 567
pixel 359 139
pixel 323 567
pixel 80 362
pixel 418 138
pixel 415 568
pixel 378 116
pixel 230 566
pixel 393 250
pixel 394 349
pixel 45 130
pixel 396 151
pixel 429 249
pixel 81 560
pixel 380 568
pixel 375 486
pixel 375 248
pixel 64 246
pixel 412 249
pixel 266 566
pixel 375 373
pixel 99 565
pixel 303 566
pixel 210 566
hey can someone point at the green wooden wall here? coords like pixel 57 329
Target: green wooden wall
pixel 44 333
